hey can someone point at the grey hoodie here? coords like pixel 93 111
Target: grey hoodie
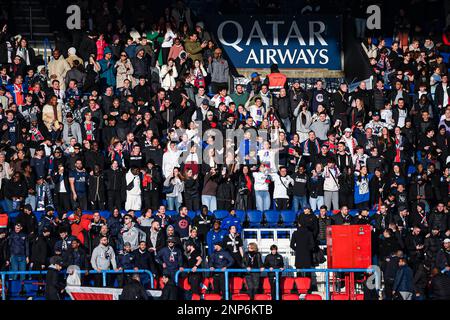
pixel 134 235
pixel 103 257
pixel 321 128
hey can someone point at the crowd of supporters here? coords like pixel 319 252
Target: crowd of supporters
pixel 141 120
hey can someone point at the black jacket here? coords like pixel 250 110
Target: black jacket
pixel 79 258
pixel 440 287
pixel 170 291
pixel 133 290
pixel 96 188
pixel 41 250
pixel 144 261
pixel 114 180
pixel 28 222
pixel 303 244
pixel 54 285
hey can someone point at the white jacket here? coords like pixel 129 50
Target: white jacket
pixel 170 161
pixel 329 183
pixel 260 181
pixel 136 191
pixel 168 80
pixel 280 186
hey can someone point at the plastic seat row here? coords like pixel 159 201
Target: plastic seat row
pixel 258 297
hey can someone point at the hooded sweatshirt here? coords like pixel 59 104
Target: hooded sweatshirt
pixel 103 257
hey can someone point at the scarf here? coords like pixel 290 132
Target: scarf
pixel 36 134
pixel 19 94
pixel 306 147
pixel 89 127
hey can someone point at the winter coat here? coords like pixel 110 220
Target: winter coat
pixel 59 68
pixel 302 242
pixel 124 72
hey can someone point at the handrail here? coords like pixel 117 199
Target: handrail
pixel 277 276
pixel 103 272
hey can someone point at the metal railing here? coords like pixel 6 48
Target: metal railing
pixel 3 275
pixel 277 276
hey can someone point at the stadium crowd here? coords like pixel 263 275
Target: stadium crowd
pixel 140 121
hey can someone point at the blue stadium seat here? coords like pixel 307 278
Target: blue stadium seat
pixel 241 215
pixel 446 56
pixel 192 214
pixel 254 218
pixel 272 218
pixel 172 213
pixel 353 212
pixel 221 214
pixel 288 218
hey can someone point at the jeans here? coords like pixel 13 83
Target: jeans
pixel 210 202
pixel 172 203
pixel 298 202
pixel 287 124
pixel 262 200
pixel 18 263
pixel 331 197
pixel 316 203
pixel 31 200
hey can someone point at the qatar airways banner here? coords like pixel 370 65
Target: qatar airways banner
pixel 305 42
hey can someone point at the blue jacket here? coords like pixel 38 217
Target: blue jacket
pixel 404 280
pixel 18 244
pixel 213 237
pixel 107 71
pixel 126 260
pixel 164 257
pixel 231 221
pixel 220 259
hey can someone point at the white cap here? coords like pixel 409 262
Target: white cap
pixel 72 51
pixel 447 240
pixel 348 130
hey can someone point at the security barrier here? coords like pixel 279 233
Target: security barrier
pixel 3 275
pixel 277 276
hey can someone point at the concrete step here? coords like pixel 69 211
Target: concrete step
pixel 36 28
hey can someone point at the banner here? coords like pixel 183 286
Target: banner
pixel 305 42
pixel 89 293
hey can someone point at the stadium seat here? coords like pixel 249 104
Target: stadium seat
pixel 272 218
pixel 266 285
pixel 339 296
pixel 195 297
pixel 290 296
pixel 263 297
pixel 360 296
pixel 313 297
pixel 241 296
pixel 288 217
pixel 445 56
pixel 171 213
pixel 192 214
pixel 221 214
pixel 287 284
pixel 207 282
pixel 161 283
pixel 241 215
pixel 212 296
pixel 303 284
pixel 237 283
pixel 254 218
pixel 184 284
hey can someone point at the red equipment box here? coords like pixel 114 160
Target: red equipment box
pixel 349 247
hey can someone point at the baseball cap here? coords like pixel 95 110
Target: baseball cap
pixel 254 75
pixel 447 240
pixel 171 239
pixel 376 114
pixel 49 208
pixel 69 115
pixel 348 130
